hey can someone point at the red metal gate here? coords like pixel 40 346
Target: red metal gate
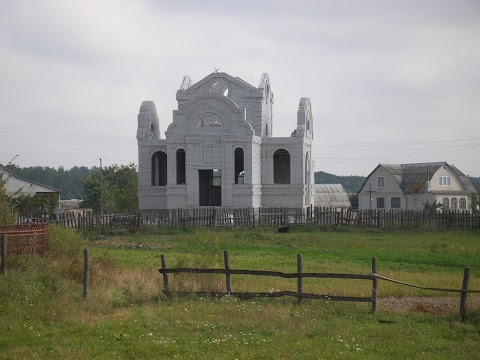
pixel 25 238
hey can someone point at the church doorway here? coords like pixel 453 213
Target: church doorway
pixel 210 186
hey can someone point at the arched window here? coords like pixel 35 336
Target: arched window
pixel 281 167
pixel 462 204
pixel 239 165
pixel 446 203
pixel 159 169
pixel 180 167
pixel 454 204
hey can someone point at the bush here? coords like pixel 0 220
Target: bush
pixel 63 241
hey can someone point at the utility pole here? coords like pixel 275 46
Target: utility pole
pixel 101 188
pixel 370 192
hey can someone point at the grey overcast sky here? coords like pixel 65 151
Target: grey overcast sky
pixel 390 81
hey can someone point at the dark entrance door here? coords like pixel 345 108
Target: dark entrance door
pixel 210 182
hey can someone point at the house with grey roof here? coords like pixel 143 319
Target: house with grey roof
pixel 219 149
pixel 16 186
pixel 410 186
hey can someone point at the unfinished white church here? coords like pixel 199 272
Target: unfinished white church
pixel 219 149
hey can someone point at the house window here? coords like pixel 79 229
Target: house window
pixel 180 167
pixel 454 203
pixel 381 181
pixel 462 204
pixel 380 203
pixel 159 169
pixel 396 203
pixel 281 167
pixel 446 203
pixel 444 180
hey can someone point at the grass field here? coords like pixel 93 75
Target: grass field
pixel 43 315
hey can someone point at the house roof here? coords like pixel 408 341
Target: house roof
pixel 16 186
pixel 413 178
pixel 330 195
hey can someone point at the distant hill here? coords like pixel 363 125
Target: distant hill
pixel 351 184
pixel 475 182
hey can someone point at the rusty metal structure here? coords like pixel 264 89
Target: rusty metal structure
pixel 25 238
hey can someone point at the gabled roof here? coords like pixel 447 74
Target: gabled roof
pixel 413 178
pixel 16 186
pixel 464 180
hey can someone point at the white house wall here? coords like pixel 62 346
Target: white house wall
pixel 454 183
pixel 391 189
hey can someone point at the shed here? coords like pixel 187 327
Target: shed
pixel 331 195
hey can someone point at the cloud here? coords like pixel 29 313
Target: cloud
pixel 376 71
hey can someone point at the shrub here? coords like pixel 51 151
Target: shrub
pixel 63 241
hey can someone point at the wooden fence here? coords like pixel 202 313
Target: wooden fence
pixel 211 217
pixel 25 238
pixel 401 219
pixel 309 216
pixel 276 217
pixel 300 275
pixel 117 222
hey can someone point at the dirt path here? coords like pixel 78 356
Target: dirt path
pixel 432 305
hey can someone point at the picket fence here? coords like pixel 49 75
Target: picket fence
pixel 276 217
pixel 311 216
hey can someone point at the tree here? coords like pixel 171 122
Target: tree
pixel 36 206
pixel 120 194
pixel 433 207
pixel 8 215
pixel 353 200
pixel 475 202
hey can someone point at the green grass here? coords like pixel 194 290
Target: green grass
pixel 42 313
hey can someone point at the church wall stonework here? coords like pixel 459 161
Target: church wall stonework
pixel 215 116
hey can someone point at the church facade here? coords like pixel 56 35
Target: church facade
pixel 219 149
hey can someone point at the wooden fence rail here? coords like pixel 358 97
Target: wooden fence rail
pixel 300 275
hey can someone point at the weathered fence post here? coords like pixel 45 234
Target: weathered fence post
pixel 86 272
pixel 165 275
pixel 374 284
pixel 227 272
pixel 3 250
pixel 463 296
pixel 214 218
pixel 300 277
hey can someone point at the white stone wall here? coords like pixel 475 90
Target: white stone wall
pixel 215 116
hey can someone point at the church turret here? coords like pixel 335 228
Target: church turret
pixel 304 119
pixel 267 102
pixel 148 125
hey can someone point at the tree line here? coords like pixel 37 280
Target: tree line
pixel 113 189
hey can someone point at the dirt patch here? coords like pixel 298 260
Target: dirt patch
pixel 431 305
